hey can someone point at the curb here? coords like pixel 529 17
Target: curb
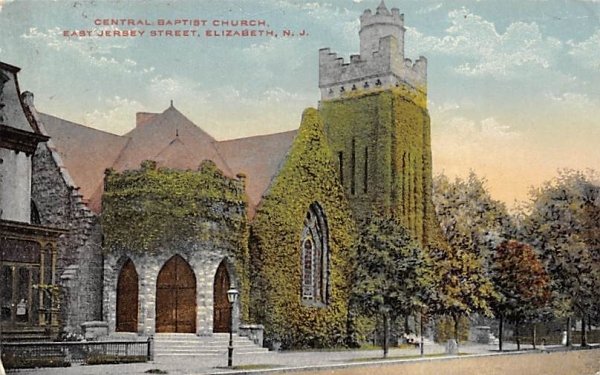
pixel 284 370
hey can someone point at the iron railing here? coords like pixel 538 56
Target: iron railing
pixel 44 354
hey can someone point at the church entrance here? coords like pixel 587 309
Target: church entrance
pixel 19 304
pixel 127 298
pixel 222 313
pixel 176 297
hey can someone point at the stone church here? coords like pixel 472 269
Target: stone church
pixel 147 231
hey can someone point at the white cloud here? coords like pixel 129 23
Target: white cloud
pixel 162 89
pixel 575 111
pixel 572 100
pixel 488 131
pixel 117 118
pixel 484 51
pixel 445 107
pixel 588 51
pixel 225 112
pixel 93 49
pixel 232 112
pixel 429 9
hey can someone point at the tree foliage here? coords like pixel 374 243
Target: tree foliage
pixel 462 284
pixel 564 224
pixel 391 271
pixel 521 281
pixel 392 275
pixel 472 223
pixel 470 219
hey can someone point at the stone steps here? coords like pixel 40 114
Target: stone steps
pixel 24 335
pixel 178 344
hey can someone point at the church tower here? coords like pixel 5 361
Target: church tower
pixel 377 124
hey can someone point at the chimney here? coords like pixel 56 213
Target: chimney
pixel 142 118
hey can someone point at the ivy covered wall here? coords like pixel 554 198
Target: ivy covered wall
pixel 151 210
pixel 307 176
pixel 382 149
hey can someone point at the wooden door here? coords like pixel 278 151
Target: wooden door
pixel 127 298
pixel 222 310
pixel 176 297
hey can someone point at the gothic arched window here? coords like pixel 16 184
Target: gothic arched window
pixel 315 257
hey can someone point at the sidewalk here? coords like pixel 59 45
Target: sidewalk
pixel 270 360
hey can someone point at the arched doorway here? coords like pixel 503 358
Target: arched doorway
pixel 127 298
pixel 176 297
pixel 222 313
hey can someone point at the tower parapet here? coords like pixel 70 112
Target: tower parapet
pixel 381 63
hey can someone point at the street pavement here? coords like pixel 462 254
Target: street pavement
pixel 290 360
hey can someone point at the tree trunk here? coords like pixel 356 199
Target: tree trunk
pixel 386 333
pixel 456 319
pixel 569 332
pixel 500 328
pixel 583 331
pixel 421 329
pixel 533 335
pixel 517 336
pixel 406 326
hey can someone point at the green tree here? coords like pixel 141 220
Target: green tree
pixel 473 224
pixel 392 275
pixel 470 219
pixel 522 283
pixel 564 224
pixel 463 287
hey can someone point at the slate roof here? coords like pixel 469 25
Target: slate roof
pixel 259 158
pixel 85 152
pixel 157 135
pixel 173 141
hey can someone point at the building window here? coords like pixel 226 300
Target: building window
pixel 308 269
pixel 315 257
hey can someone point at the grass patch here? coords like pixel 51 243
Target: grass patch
pixel 12 361
pixel 105 359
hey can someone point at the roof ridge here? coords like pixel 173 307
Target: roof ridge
pixel 215 145
pixel 176 138
pixel 259 136
pixel 121 152
pixel 83 126
pixel 190 122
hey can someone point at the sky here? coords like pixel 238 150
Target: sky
pixel 513 85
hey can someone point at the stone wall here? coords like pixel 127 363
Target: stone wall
pixel 152 214
pixel 202 258
pixel 380 65
pixel 79 264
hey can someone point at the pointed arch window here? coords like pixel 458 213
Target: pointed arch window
pixel 315 257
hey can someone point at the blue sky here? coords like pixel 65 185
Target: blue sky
pixel 514 86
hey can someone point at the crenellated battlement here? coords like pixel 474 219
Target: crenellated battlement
pixel 381 63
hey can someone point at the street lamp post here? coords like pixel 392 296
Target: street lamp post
pixel 232 296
